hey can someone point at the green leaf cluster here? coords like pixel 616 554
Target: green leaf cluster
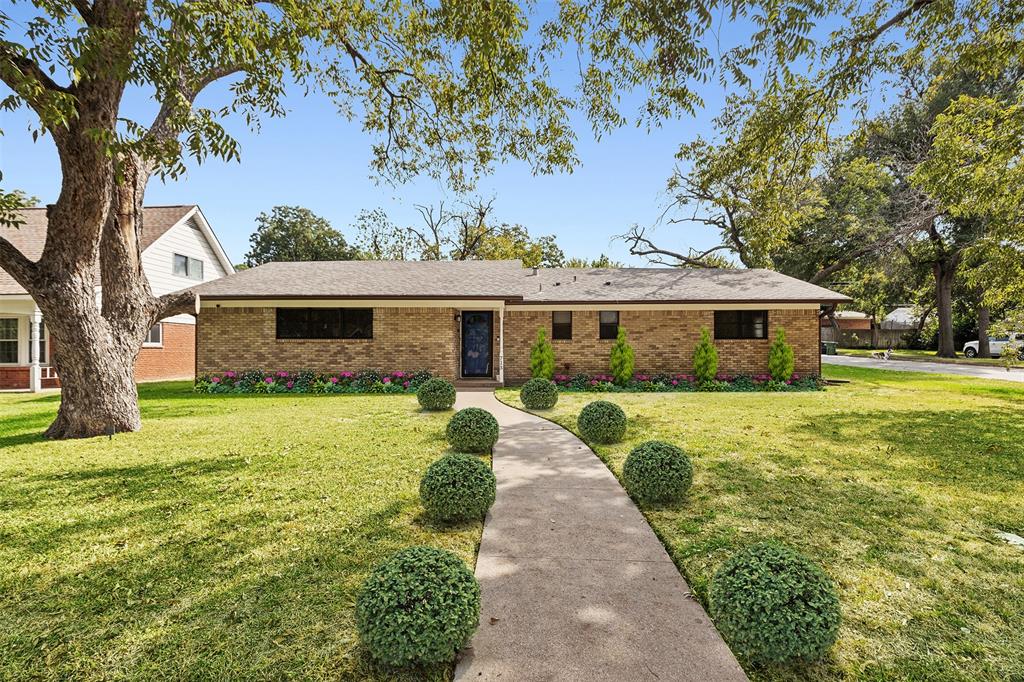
pixel 774 606
pixel 436 394
pixel 457 487
pixel 656 472
pixel 472 429
pixel 539 394
pixel 705 358
pixel 602 422
pixel 419 607
pixel 622 359
pixel 542 357
pixel 780 358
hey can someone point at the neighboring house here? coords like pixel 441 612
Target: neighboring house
pixel 478 319
pixel 849 319
pixel 903 319
pixel 179 250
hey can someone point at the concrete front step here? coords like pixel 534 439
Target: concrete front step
pixel 477 384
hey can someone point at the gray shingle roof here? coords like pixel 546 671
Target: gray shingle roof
pixel 30 236
pixel 509 280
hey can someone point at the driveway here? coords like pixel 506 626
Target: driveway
pixel 574 583
pixel 977 372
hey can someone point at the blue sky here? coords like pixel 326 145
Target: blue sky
pixel 317 159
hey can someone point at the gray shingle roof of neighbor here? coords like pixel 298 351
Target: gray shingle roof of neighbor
pixel 510 281
pixel 30 236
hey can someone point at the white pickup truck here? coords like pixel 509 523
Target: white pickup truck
pixel 996 344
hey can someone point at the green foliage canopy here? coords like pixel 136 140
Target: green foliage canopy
pixel 293 233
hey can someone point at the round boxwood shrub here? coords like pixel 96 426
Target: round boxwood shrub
pixel 539 394
pixel 472 430
pixel 436 394
pixel 656 472
pixel 418 607
pixel 774 606
pixel 457 488
pixel 602 422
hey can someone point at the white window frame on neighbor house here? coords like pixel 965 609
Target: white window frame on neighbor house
pixel 159 343
pixel 16 339
pixel 189 267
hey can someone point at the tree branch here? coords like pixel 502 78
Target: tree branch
pixel 177 303
pixel 897 18
pixel 17 265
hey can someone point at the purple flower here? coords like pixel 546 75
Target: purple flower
pixel 675 382
pixel 215 380
pixel 269 380
pixel 283 375
pixel 399 375
pixel 405 384
pixel 229 375
pixel 386 380
pixel 334 380
pixel 290 384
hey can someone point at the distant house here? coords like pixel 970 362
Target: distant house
pixel 179 250
pixel 852 320
pixel 476 320
pixel 903 319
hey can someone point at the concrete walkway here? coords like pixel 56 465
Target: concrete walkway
pixel 977 371
pixel 575 585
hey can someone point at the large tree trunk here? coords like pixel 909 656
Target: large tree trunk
pixel 944 271
pixel 984 349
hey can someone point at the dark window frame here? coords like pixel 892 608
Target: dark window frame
pixel 347 324
pixel 608 331
pixel 744 325
pixel 561 331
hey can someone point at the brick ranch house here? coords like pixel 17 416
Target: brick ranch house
pixel 179 250
pixel 476 320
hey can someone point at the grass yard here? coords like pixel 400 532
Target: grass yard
pixel 226 540
pixel 927 356
pixel 895 482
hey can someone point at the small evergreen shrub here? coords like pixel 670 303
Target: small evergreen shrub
pixel 705 358
pixel 622 358
pixel 780 358
pixel 436 394
pixel 774 606
pixel 472 430
pixel 457 488
pixel 656 473
pixel 602 422
pixel 539 394
pixel 418 608
pixel 542 357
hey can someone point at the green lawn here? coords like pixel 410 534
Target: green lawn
pixel 927 356
pixel 895 482
pixel 227 540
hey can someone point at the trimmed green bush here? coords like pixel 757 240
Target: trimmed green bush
pixel 542 357
pixel 457 488
pixel 602 422
pixel 774 606
pixel 780 358
pixel 622 359
pixel 418 608
pixel 472 430
pixel 436 394
pixel 705 358
pixel 656 472
pixel 539 394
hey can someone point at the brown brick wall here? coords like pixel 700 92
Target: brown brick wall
pixel 663 341
pixel 175 360
pixel 403 339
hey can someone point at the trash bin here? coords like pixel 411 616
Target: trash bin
pixel 829 348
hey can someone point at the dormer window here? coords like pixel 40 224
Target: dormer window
pixel 188 267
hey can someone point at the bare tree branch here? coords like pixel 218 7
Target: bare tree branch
pixel 177 303
pixel 16 264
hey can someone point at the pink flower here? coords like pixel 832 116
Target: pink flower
pixel 283 375
pixel 399 375
pixel 334 380
pixel 269 380
pixel 347 375
pixel 290 384
pixel 405 384
pixel 386 380
pixel 229 375
pixel 675 382
pixel 215 380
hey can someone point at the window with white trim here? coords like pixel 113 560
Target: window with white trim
pixel 155 338
pixel 185 266
pixel 8 340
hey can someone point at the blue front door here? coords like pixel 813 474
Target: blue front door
pixel 476 343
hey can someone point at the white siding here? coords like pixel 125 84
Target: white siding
pixel 186 239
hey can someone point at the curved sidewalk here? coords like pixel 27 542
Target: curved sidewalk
pixel 575 585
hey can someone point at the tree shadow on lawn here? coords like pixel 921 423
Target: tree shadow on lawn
pixel 236 593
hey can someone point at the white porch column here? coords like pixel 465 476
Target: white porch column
pixel 501 344
pixel 35 379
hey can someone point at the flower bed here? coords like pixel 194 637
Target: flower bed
pixel 258 381
pixel 682 383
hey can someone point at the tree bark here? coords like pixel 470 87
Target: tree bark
pixel 944 271
pixel 984 349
